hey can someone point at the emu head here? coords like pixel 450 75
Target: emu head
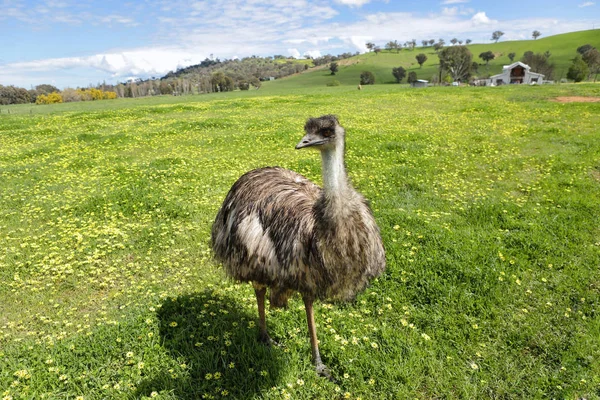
pixel 322 133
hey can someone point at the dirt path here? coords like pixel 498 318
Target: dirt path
pixel 577 99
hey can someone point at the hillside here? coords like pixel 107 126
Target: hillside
pixel 562 48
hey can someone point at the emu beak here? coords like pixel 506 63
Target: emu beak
pixel 310 140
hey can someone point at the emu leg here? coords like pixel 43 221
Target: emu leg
pixel 263 335
pixel 321 368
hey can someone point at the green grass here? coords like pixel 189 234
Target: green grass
pixel 487 199
pixel 562 47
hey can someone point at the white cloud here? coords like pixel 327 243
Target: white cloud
pixel 454 1
pixel 312 53
pixel 119 19
pixel 586 4
pixel 140 62
pixel 450 11
pixel 480 18
pixel 294 53
pixel 315 41
pixel 353 3
pixel 358 42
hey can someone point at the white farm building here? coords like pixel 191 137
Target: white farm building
pixel 516 73
pixel 419 83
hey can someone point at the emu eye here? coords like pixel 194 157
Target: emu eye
pixel 327 132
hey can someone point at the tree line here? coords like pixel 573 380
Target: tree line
pixel 211 75
pixel 49 94
pixel 394 45
pixel 456 65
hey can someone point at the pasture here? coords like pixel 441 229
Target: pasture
pixel 487 199
pixel 562 47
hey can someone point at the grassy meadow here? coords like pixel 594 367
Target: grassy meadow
pixel 487 199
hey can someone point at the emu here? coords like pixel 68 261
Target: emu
pixel 279 230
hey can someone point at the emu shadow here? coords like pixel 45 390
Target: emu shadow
pixel 218 341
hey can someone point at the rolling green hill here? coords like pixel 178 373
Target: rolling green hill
pixel 562 48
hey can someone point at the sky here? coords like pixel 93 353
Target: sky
pixel 77 43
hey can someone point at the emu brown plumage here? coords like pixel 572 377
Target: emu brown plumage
pixel 279 230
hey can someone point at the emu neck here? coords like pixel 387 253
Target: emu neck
pixel 335 182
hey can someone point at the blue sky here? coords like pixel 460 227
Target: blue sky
pixel 72 43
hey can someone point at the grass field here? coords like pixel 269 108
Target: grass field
pixel 487 199
pixel 562 47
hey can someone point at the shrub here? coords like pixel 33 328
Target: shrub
pixel 412 77
pixel 579 70
pixel 367 78
pixel 51 98
pixel 70 95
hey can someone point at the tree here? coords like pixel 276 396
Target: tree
pixel 333 67
pixel 367 78
pixel 497 35
pixel 474 66
pixel 370 46
pixel 454 41
pixel 377 50
pixel 468 41
pixel 421 58
pixel 399 73
pixel 456 61
pixel 431 42
pixel 438 46
pixel 536 34
pixel 14 95
pixel 42 89
pixel 579 70
pixel 412 77
pixel 393 45
pixel 583 49
pixel 487 56
pixel 511 56
pixel 424 43
pixel 46 89
pixel 592 59
pixel 539 63
pixel 221 82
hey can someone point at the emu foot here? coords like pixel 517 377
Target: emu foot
pixel 323 371
pixel 266 340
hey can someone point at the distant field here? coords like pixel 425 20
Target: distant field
pixel 562 47
pixel 487 199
